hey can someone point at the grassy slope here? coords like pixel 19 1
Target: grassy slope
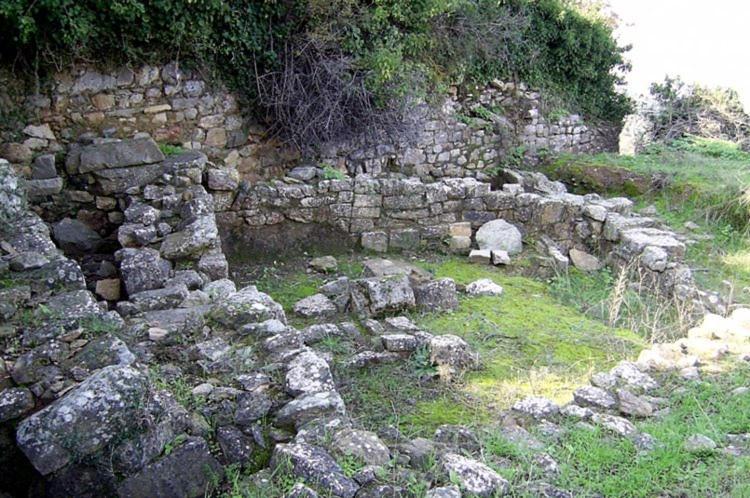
pixel 707 183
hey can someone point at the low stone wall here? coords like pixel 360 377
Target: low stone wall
pixel 464 137
pixel 397 213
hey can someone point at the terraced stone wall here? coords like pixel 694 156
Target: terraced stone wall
pixel 465 136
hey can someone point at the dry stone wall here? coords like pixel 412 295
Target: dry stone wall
pixel 398 213
pixel 464 137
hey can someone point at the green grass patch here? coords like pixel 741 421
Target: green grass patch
pixel 595 463
pixel 529 342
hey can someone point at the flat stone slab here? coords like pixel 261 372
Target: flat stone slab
pixel 103 407
pixel 187 471
pixel 121 154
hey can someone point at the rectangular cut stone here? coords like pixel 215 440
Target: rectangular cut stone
pixel 121 154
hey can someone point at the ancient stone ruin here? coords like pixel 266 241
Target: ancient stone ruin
pixel 115 285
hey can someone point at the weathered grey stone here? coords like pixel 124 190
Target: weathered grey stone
pixel 364 445
pixel 458 437
pixel 247 305
pixel 41 188
pixel 316 306
pixel 474 477
pixel 252 406
pixel 375 296
pixel 698 443
pixel 143 269
pixel 338 291
pixel 193 240
pixel 375 241
pixel 594 397
pixel 480 256
pixel 655 258
pixel 451 354
pixel 303 173
pixel 631 376
pixel 42 131
pixel 223 179
pixel 399 343
pixel 314 465
pixel 188 470
pixel 100 409
pixel 219 289
pixel 500 258
pixel 484 287
pixel 214 265
pixel 27 260
pixel 75 237
pixel 613 423
pixel 141 213
pixel 15 402
pixel 156 299
pixel 584 261
pixel 499 235
pixel 43 167
pixel 451 491
pixel 633 405
pixel 121 180
pixel 436 295
pixel 235 444
pixel 310 406
pixel 308 373
pixel 324 264
pixel 536 407
pixel 120 154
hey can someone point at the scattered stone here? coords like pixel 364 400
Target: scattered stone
pixel 15 402
pixel 236 446
pixel 310 406
pixel 699 444
pixel 399 343
pixel 308 373
pixel 324 264
pixel 484 287
pixel 474 477
pixel 378 295
pixel 451 491
pixel 109 289
pixel 364 445
pixel 499 235
pixel 633 405
pixel 157 334
pixel 536 407
pixel 459 437
pixel 584 261
pixel 616 424
pixel 188 470
pixel 247 305
pixel 500 258
pixel 594 397
pixel 480 256
pixel 100 409
pixel 451 354
pixel 315 306
pixel 436 295
pixel 314 465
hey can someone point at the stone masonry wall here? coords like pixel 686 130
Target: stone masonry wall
pixel 397 213
pixel 464 137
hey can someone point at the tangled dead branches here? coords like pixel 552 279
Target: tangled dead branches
pixel 318 97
